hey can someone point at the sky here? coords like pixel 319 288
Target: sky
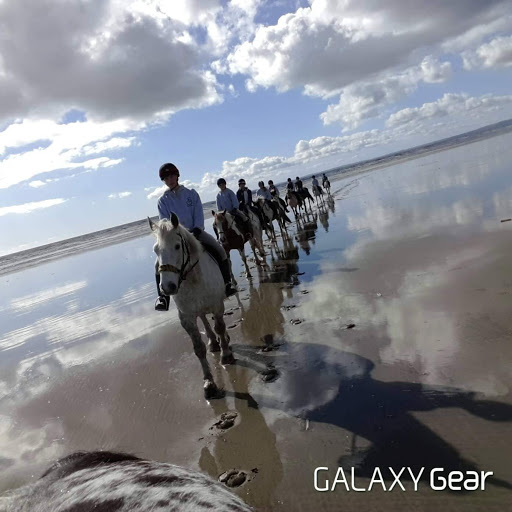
pixel 96 94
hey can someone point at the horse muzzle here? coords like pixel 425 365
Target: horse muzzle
pixel 169 288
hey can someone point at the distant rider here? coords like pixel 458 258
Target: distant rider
pixel 274 192
pixel 227 200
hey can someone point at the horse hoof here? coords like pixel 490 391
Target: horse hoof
pixel 213 346
pixel 212 392
pixel 228 359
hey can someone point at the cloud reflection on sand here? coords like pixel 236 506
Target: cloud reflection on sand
pixel 85 335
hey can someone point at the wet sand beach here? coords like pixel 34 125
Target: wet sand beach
pixel 380 335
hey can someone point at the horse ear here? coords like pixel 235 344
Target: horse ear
pixel 224 212
pixel 174 220
pixel 213 213
pixel 152 225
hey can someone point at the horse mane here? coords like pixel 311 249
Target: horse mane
pixel 165 228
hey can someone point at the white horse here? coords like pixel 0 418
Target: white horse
pixel 231 238
pixel 194 280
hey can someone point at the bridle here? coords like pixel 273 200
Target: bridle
pixel 184 262
pixel 227 228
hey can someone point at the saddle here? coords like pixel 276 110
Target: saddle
pixel 245 227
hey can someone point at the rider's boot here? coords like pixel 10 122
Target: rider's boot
pixel 226 275
pixel 162 301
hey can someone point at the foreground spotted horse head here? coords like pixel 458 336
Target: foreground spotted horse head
pixel 117 482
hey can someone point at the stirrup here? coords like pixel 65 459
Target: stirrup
pixel 162 303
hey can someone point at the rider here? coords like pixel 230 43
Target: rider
pixel 324 179
pixel 244 196
pixel 289 185
pixel 227 200
pixel 264 193
pixel 274 192
pixel 186 204
pixel 298 184
pixel 315 183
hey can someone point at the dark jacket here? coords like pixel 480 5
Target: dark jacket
pixel 240 197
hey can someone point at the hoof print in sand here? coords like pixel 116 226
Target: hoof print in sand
pixel 233 478
pixel 270 345
pixel 304 292
pixel 232 326
pixel 268 339
pixel 269 375
pixel 227 420
pixel 228 313
pixel 290 306
pixel 296 321
pixel 351 326
pixel 270 348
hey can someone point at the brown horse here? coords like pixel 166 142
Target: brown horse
pixel 231 237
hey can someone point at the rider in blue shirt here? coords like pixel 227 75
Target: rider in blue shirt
pixel 227 200
pixel 186 204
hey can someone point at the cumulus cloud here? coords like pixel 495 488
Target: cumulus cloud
pixel 37 184
pixel 57 146
pixel 335 43
pixel 124 66
pixel 362 51
pixel 30 207
pixel 119 195
pixel 111 59
pixel 453 105
pixel 494 54
pixel 364 100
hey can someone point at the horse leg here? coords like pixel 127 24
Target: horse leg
pixel 227 356
pixel 231 270
pixel 257 258
pixel 210 389
pixel 244 259
pixel 213 342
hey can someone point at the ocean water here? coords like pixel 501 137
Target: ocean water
pixel 414 255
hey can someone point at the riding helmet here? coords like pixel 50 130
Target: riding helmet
pixel 168 169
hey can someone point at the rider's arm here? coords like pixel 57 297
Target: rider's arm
pixel 198 215
pixel 162 210
pixel 233 200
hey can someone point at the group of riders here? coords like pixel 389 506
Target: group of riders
pixel 187 205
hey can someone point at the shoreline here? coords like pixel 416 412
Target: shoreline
pixel 13 262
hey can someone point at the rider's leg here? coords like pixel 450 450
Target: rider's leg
pixel 162 301
pixel 283 204
pixel 218 252
pixel 242 220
